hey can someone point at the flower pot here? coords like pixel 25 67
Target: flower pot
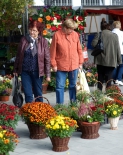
pixel 4 98
pixel 36 131
pixel 89 130
pixel 113 122
pixel 60 144
pixel 44 88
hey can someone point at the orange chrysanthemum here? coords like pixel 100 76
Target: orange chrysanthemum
pixel 48 26
pixel 37 112
pixel 45 32
pixel 48 18
pixel 40 20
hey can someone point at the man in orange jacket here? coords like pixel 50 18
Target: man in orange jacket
pixel 66 58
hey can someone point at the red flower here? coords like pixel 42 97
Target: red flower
pixel 80 18
pixel 53 28
pixel 74 18
pixel 81 27
pixel 52 18
pixel 59 27
pixel 57 16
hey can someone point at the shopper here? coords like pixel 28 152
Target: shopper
pixel 66 59
pixel 33 61
pixel 119 71
pixel 109 58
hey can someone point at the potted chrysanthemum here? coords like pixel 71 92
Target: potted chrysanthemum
pixel 8 140
pixel 9 115
pixel 35 115
pixel 113 112
pixel 60 129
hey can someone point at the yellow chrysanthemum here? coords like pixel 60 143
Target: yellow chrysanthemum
pixel 115 112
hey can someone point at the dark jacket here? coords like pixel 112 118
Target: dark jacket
pixel 111 56
pixel 43 56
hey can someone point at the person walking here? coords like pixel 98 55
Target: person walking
pixel 118 72
pixel 109 58
pixel 66 59
pixel 33 61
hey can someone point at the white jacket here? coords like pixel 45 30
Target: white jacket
pixel 120 37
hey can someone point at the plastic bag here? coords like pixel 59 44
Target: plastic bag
pixel 17 96
pixel 82 82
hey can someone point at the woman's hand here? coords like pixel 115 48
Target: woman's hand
pixel 55 69
pixel 48 79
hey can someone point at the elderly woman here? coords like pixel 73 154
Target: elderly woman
pixel 33 61
pixel 66 59
pixel 119 73
pixel 109 58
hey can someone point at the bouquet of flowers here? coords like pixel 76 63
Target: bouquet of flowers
pixel 60 126
pixel 8 140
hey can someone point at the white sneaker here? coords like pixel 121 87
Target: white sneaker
pixel 120 83
pixel 117 82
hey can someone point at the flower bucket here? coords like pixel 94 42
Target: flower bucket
pixel 36 131
pixel 89 130
pixel 4 98
pixel 60 144
pixel 114 123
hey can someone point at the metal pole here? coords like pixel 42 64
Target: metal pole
pixel 23 24
pixel 26 12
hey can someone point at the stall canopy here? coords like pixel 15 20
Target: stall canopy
pixel 116 14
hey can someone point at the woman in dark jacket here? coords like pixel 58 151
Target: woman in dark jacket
pixel 109 58
pixel 33 61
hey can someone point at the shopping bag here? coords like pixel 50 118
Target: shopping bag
pixel 82 82
pixel 17 96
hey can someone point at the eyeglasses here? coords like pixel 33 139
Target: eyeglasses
pixel 32 30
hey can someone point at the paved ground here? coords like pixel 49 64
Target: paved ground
pixel 109 142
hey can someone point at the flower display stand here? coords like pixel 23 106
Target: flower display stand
pixel 113 123
pixel 60 144
pixel 89 130
pixel 36 131
pixel 4 98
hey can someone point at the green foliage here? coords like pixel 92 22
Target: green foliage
pixel 11 14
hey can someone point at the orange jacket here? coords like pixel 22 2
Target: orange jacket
pixel 66 51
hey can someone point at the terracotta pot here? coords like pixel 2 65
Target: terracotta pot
pixel 89 130
pixel 113 123
pixel 36 131
pixel 44 88
pixel 4 98
pixel 60 144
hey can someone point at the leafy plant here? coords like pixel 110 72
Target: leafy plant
pixel 8 140
pixel 60 126
pixel 37 112
pixel 113 110
pixel 9 115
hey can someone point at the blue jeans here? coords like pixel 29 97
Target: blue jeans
pixel 120 71
pixel 32 83
pixel 60 84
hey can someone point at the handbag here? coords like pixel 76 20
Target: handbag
pixel 97 49
pixel 17 96
pixel 82 84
